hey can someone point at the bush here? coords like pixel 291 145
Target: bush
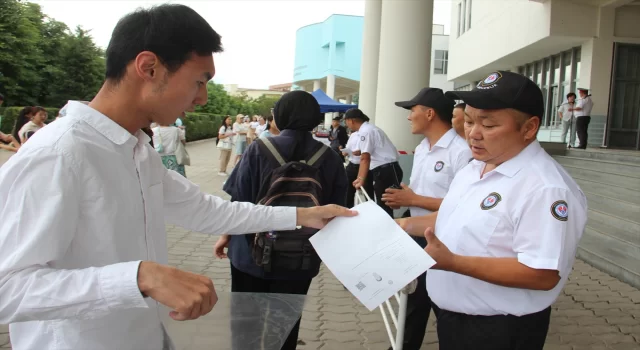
pixel 198 126
pixel 9 115
pixel 201 126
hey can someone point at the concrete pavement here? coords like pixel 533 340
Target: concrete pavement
pixel 595 311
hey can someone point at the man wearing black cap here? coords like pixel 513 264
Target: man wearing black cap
pixel 338 136
pixel 440 155
pixel 507 231
pixel 377 153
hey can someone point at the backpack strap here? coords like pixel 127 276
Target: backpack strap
pixel 318 155
pixel 265 143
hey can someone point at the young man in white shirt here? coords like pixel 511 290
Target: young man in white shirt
pixel 582 113
pixel 83 257
pixel 377 153
pixel 437 160
pixel 508 229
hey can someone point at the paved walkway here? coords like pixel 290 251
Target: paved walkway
pixel 595 311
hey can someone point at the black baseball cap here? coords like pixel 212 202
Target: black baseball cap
pixel 337 119
pixel 433 98
pixel 501 90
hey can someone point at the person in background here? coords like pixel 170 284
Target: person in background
pixel 296 113
pixel 7 142
pixel 565 112
pixel 23 118
pixel 225 144
pixel 178 124
pixel 83 256
pixel 582 113
pixel 353 168
pixel 240 141
pixel 39 115
pixel 338 136
pixel 458 119
pixel 165 140
pixel 262 126
pixel 271 129
pixel 378 154
pixel 251 130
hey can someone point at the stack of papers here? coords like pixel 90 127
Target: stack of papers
pixel 370 254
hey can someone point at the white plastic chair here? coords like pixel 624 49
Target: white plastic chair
pixel 400 297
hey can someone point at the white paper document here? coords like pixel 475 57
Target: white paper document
pixel 370 254
pixel 348 151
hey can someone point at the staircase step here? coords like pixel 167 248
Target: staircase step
pixel 630 169
pixel 617 258
pixel 604 154
pixel 614 207
pixel 605 189
pixel 611 177
pixel 614 226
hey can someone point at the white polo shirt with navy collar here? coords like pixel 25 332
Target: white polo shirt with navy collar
pixel 434 167
pixel 527 208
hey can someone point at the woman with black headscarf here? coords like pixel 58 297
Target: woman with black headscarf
pixel 295 115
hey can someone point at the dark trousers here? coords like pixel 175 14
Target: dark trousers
pixel 352 175
pixel 418 307
pixel 502 332
pixel 243 282
pixel 385 176
pixel 582 125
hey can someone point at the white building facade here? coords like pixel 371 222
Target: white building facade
pixel 561 45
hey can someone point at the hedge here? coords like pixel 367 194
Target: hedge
pixel 198 126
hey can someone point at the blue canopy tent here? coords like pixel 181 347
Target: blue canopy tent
pixel 327 104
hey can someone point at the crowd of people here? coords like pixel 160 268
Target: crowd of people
pixel 83 257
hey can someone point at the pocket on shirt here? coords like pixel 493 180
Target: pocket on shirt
pixel 476 235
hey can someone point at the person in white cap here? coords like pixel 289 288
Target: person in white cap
pixel 507 231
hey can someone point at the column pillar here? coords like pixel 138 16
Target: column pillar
pixel 596 62
pixel 331 91
pixel 316 85
pixel 404 65
pixel 350 99
pixel 370 52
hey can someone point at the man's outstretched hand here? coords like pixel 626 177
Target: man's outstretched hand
pixel 189 295
pixel 318 217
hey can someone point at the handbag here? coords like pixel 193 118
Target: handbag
pixel 182 156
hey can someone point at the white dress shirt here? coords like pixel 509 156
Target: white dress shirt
pixel 527 208
pixel 353 144
pixel 375 142
pixel 586 104
pixel 566 113
pixel 89 201
pixel 435 167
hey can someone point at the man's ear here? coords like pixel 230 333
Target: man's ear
pixel 146 65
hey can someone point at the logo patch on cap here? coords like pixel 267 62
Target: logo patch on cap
pixel 560 210
pixel 490 81
pixel 490 201
pixel 439 166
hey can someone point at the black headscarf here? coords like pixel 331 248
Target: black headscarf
pixel 297 110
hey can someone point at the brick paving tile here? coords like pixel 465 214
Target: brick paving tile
pixel 595 311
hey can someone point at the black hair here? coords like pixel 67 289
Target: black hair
pixel 225 124
pixel 22 119
pixel 460 105
pixel 173 32
pixel 355 113
pixel 571 94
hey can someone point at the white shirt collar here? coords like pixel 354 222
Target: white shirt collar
pixel 104 125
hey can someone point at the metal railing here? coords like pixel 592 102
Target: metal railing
pixel 400 297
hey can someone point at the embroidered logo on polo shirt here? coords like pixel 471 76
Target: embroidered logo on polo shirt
pixel 490 201
pixel 361 138
pixel 560 210
pixel 439 166
pixel 490 81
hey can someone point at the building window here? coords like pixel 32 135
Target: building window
pixel 460 30
pixel 468 14
pixel 440 62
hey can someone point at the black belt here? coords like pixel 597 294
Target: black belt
pixel 386 165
